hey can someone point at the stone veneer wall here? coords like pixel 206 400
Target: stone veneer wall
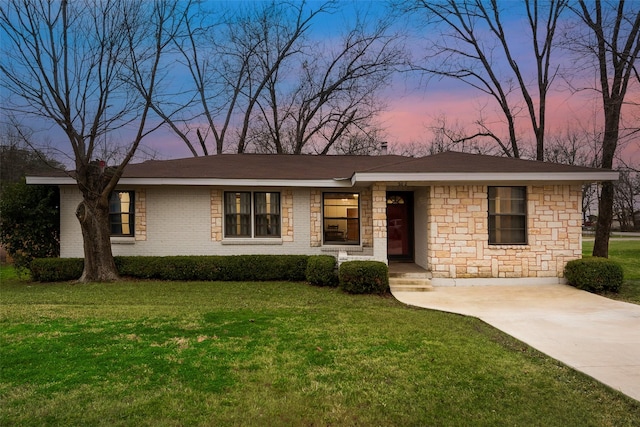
pixel 379 209
pixel 366 218
pixel 315 218
pixel 286 211
pixel 216 215
pixel 140 215
pixel 458 233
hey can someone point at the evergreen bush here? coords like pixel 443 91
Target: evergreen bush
pixel 183 268
pixel 364 277
pixel 56 269
pixel 594 274
pixel 321 270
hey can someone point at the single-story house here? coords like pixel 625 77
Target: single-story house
pixel 459 216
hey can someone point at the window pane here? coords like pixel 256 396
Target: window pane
pixel 507 215
pixel 267 215
pixel 121 213
pixel 507 200
pixel 341 218
pixel 237 218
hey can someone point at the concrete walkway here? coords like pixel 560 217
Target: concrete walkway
pixel 587 332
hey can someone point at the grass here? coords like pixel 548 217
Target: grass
pixel 165 353
pixel 168 353
pixel 627 254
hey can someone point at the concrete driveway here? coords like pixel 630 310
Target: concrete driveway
pixel 590 333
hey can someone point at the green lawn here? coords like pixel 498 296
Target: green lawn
pixel 627 253
pixel 145 353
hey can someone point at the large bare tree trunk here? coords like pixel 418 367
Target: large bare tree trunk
pixel 605 203
pixel 93 215
pixel 603 225
pixel 99 265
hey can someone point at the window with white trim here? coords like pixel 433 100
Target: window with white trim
pixel 122 213
pixel 507 215
pixel 248 214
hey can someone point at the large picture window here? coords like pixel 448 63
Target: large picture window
pixel 247 217
pixel 341 218
pixel 507 215
pixel 121 213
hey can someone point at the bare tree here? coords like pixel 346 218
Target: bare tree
pixel 613 42
pixel 88 67
pixel 231 58
pixel 578 146
pixel 448 136
pixel 371 143
pixel 18 157
pixel 627 199
pixel 473 36
pixel 259 82
pixel 336 98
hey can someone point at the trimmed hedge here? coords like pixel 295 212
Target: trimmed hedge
pixel 364 277
pixel 56 269
pixel 594 274
pixel 209 268
pixel 321 270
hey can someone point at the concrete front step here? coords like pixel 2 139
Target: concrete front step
pixel 408 277
pixel 410 284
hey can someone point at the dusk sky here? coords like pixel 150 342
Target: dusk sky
pixel 415 102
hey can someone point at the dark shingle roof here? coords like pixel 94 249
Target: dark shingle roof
pixel 300 167
pixel 454 162
pixel 259 166
pixel 449 166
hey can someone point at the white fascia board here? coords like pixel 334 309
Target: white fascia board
pixel 49 180
pixel 426 177
pixel 217 182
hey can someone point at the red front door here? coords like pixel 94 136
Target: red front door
pixel 400 225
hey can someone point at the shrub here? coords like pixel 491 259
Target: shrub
pixel 186 268
pixel 30 222
pixel 56 269
pixel 594 274
pixel 268 267
pixel 321 270
pixel 364 277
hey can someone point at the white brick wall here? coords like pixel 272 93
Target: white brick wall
pixel 178 222
pixel 70 232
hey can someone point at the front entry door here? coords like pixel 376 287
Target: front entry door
pixel 400 225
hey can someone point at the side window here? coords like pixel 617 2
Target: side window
pixel 341 218
pixel 122 213
pixel 507 215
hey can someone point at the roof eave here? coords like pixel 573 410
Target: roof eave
pixel 50 180
pixel 211 182
pixel 358 178
pixel 453 177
